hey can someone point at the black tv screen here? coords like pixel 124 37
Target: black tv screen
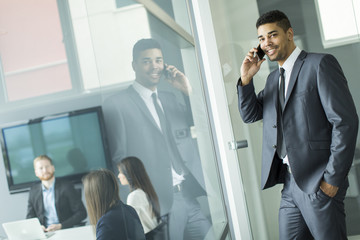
pixel 75 141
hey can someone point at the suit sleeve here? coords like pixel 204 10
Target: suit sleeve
pixel 250 105
pixel 340 111
pixel 116 131
pixel 30 206
pixel 75 204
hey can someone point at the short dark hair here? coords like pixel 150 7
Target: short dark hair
pixel 274 16
pixel 144 44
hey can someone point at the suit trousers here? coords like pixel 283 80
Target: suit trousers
pixel 186 221
pixel 311 216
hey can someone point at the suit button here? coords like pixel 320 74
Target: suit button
pixel 274 146
pixel 274 126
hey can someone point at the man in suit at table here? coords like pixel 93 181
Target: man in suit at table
pixel 54 202
pixel 310 127
pixel 152 125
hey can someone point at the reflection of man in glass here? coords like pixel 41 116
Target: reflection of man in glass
pixel 152 125
pixel 54 202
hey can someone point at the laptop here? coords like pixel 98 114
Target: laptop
pixel 28 229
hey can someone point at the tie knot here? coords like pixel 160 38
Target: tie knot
pixel 154 96
pixel 282 70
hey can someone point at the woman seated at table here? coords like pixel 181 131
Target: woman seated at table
pixel 142 195
pixel 114 220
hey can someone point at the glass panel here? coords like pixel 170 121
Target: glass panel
pixel 236 34
pixel 38 65
pixel 176 9
pixel 178 155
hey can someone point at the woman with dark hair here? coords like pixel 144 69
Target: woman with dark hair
pixel 142 196
pixel 113 219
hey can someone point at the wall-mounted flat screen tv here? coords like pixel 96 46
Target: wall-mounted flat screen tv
pixel 75 141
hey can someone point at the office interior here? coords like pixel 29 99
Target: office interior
pixel 66 55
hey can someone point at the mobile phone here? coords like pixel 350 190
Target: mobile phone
pixel 166 72
pixel 260 53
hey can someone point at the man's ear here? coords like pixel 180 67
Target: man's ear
pixel 290 34
pixel 133 64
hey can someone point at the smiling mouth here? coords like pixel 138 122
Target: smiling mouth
pixel 155 75
pixel 270 51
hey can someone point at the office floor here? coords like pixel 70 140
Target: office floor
pixel 352 210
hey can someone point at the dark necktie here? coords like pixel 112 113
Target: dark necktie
pixel 174 155
pixel 281 147
pixel 160 113
pixel 282 88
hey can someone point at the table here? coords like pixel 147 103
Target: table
pixel 78 233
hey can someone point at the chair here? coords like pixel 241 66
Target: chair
pixel 82 223
pixel 161 232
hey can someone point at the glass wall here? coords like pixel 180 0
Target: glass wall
pixel 129 114
pixel 235 30
pixel 93 43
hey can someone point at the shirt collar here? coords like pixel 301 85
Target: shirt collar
pixel 290 61
pixel 51 188
pixel 143 91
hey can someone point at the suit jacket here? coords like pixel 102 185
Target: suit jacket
pixel 320 122
pixel 132 131
pixel 121 222
pixel 68 204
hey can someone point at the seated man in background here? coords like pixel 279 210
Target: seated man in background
pixel 54 202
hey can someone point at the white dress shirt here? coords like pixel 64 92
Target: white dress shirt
pixel 50 213
pixel 288 66
pixel 145 94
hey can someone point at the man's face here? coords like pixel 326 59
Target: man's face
pixel 275 42
pixel 44 170
pixel 149 67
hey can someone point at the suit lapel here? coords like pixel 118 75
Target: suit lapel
pixel 140 103
pixel 39 202
pixel 274 88
pixel 294 75
pixel 57 196
pixel 40 198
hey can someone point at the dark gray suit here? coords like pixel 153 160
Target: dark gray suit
pixel 132 131
pixel 320 124
pixel 69 207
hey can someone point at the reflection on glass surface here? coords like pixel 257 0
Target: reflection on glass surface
pixel 115 30
pixel 169 132
pixel 75 142
pixel 33 50
pixel 175 9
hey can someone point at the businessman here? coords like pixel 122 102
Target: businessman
pixel 152 125
pixel 309 130
pixel 54 202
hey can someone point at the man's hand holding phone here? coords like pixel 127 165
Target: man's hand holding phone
pixel 251 64
pixel 177 79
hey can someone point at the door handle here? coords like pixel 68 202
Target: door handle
pixel 234 145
